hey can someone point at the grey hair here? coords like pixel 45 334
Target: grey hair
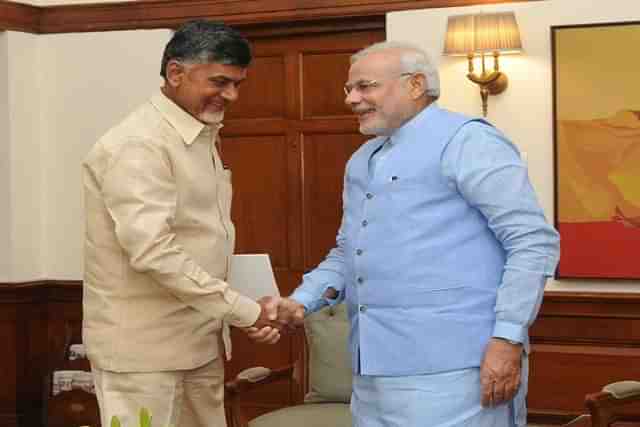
pixel 413 60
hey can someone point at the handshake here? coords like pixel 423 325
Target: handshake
pixel 276 314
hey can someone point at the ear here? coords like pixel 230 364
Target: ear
pixel 418 85
pixel 175 73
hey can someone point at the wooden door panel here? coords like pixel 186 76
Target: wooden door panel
pixel 325 156
pixel 347 41
pixel 259 168
pixel 254 127
pixel 287 280
pixel 262 94
pixel 287 140
pixel 324 75
pixel 330 125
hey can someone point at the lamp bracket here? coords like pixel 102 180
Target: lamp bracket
pixel 495 82
pixel 490 84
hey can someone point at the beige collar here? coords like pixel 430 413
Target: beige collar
pixel 184 123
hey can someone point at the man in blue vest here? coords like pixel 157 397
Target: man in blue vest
pixel 441 257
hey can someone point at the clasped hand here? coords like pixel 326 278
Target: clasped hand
pixel 276 314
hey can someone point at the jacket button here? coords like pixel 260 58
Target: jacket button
pixel 363 308
pixel 358 251
pixel 360 280
pixel 369 196
pixel 364 223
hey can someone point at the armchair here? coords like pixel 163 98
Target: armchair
pixel 327 364
pixel 617 404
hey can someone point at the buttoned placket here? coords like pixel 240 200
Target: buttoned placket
pixel 215 153
pixel 218 170
pixel 375 160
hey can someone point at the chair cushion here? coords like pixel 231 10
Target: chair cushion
pixel 307 415
pixel 330 373
pixel 623 389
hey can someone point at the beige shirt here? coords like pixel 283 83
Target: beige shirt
pixel 158 242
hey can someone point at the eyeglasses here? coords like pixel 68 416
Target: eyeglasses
pixel 364 86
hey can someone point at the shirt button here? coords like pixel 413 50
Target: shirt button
pixel 363 308
pixel 364 223
pixel 358 251
pixel 369 196
pixel 360 279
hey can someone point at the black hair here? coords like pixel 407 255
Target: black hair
pixel 204 42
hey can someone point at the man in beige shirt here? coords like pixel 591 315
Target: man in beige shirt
pixel 159 237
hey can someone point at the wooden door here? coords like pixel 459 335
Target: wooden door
pixel 287 140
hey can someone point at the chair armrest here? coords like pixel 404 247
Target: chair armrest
pixel 623 389
pixel 248 380
pixel 255 377
pixel 616 402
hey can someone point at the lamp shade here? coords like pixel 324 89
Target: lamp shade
pixel 459 39
pixel 497 32
pixel 484 32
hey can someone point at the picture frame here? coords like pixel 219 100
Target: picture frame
pixel 596 131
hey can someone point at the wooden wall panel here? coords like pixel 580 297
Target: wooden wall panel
pixel 8 420
pixel 259 166
pixel 35 319
pixel 262 95
pixel 8 361
pixel 31 324
pixel 19 17
pixel 580 343
pixel 596 330
pixel 325 156
pixel 162 13
pixel 32 358
pixel 561 375
pixel 324 97
pixel 130 15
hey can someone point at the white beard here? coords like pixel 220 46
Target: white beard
pixel 211 118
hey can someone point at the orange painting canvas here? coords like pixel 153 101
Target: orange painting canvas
pixel 597 150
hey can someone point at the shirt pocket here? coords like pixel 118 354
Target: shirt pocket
pixel 407 191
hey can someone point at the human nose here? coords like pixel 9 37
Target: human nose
pixel 352 97
pixel 230 92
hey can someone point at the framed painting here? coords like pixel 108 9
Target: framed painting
pixel 596 91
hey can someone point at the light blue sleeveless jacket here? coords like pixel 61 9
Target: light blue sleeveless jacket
pixel 421 266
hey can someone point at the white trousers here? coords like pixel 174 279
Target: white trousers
pixel 449 399
pixel 186 398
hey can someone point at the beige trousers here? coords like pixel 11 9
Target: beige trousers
pixel 187 398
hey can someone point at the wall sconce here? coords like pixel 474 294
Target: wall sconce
pixel 483 34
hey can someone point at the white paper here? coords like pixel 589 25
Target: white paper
pixel 252 276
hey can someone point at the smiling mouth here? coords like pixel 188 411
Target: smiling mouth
pixel 362 115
